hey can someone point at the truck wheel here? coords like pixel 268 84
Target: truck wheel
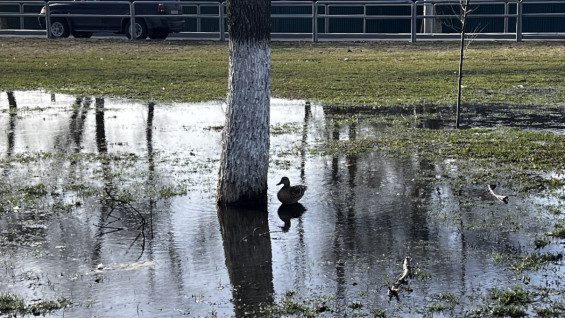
pixel 60 28
pixel 140 30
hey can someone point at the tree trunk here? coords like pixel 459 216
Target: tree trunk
pixel 245 147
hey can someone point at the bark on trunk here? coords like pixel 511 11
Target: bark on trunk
pixel 245 150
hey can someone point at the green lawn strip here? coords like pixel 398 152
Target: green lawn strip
pixel 377 73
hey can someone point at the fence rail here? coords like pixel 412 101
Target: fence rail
pixel 342 20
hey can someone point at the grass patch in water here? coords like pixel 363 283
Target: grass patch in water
pixel 11 304
pixel 442 302
pixel 506 148
pixel 33 191
pixel 14 305
pixel 285 128
pixel 556 310
pixel 528 262
pixel 171 191
pixel 48 306
pixel 291 306
pixel 541 242
pixel 512 302
pixel 559 230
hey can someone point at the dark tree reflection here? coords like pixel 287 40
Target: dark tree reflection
pixel 100 127
pixel 149 136
pixel 12 123
pixel 151 162
pixel 11 100
pixel 307 115
pixel 119 215
pixel 77 121
pixel 247 248
pixel 102 147
pixel 11 133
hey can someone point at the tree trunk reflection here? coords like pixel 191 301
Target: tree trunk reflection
pixel 11 100
pixel 247 248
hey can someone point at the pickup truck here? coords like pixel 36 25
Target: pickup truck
pixel 90 16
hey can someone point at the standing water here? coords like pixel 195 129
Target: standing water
pixel 110 204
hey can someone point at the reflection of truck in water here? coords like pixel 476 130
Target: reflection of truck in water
pixel 109 16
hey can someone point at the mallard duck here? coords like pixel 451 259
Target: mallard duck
pixel 288 194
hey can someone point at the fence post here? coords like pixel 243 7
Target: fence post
pixel 198 20
pixel 222 21
pixel 519 21
pixel 364 18
pixel 413 22
pixel 132 21
pixel 48 19
pixel 326 19
pixel 506 17
pixel 314 22
pixel 21 16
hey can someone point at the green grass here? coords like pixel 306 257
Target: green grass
pixel 379 73
pixel 442 302
pixel 510 149
pixel 510 302
pixel 13 305
pixel 559 230
pixel 528 262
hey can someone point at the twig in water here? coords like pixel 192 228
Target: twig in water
pixel 406 272
pixel 501 198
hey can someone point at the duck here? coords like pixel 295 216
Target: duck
pixel 290 194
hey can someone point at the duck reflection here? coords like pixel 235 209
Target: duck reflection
pixel 290 211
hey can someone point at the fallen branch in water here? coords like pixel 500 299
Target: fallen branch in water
pixel 129 207
pixel 406 272
pixel 501 198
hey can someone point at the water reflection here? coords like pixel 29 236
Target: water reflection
pixel 126 246
pixel 12 123
pixel 247 249
pixel 77 121
pixel 305 124
pixel 11 133
pixel 101 144
pixel 11 100
pixel 287 212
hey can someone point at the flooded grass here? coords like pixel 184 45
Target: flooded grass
pixel 109 203
pixel 13 305
pixel 559 230
pixel 111 206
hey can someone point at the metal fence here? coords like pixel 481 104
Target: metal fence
pixel 347 20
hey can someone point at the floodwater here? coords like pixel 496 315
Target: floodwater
pixel 123 221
